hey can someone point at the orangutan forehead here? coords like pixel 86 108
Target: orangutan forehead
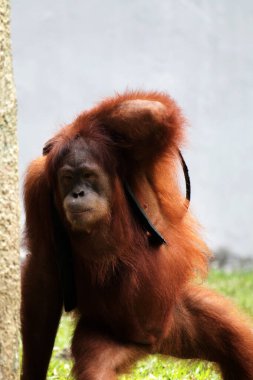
pixel 86 151
pixel 80 150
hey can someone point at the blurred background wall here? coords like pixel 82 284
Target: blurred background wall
pixel 70 54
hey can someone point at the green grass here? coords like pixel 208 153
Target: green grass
pixel 237 286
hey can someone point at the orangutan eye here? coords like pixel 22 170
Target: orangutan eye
pixel 67 177
pixel 89 175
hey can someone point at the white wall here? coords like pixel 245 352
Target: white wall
pixel 70 54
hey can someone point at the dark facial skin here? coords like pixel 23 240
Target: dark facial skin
pixel 84 188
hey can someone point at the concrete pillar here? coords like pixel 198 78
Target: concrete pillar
pixel 9 208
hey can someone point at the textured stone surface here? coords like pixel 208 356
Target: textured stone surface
pixel 9 208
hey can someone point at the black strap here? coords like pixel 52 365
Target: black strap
pixel 155 238
pixel 186 177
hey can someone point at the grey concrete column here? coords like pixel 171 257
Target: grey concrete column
pixel 9 208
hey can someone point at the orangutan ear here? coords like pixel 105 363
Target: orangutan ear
pixel 48 146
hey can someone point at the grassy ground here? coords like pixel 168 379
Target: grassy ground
pixel 237 286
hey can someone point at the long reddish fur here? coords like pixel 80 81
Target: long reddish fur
pixel 195 316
